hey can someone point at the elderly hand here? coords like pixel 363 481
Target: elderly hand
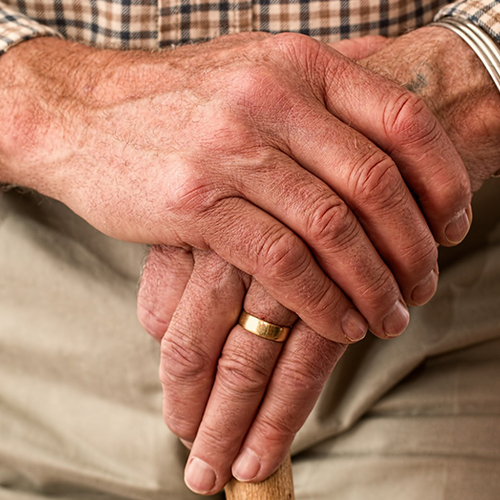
pixel 219 380
pixel 191 305
pixel 217 416
pixel 451 79
pixel 252 146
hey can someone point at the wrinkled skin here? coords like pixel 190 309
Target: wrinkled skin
pixel 314 180
pixel 207 302
pixel 251 146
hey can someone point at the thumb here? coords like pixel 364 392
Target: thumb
pixel 359 48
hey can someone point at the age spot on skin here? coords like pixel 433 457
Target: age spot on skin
pixel 417 84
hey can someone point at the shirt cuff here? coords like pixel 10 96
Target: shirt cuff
pixel 483 13
pixel 16 28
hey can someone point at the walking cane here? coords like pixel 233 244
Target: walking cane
pixel 278 487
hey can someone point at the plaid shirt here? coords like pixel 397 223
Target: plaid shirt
pixel 158 24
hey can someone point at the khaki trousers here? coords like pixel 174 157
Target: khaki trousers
pixel 417 417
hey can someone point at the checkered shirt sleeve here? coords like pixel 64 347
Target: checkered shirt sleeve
pixel 159 24
pixel 16 27
pixel 114 24
pixel 483 13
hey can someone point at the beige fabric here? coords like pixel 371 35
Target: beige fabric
pixel 80 403
pixel 435 436
pixel 419 416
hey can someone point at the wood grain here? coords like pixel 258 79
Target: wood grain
pixel 278 487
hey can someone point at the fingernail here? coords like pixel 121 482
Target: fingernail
pixel 397 320
pixel 199 476
pixel 354 325
pixel 459 226
pixel 426 289
pixel 246 466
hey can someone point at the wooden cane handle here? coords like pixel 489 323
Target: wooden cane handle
pixel 278 487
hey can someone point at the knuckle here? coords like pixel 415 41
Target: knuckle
pixel 422 253
pixel 281 255
pixel 276 430
pixel 297 45
pixel 194 190
pixel 177 423
pixel 183 361
pixel 242 374
pixel 253 85
pixel 454 189
pixel 331 220
pixel 308 58
pixel 377 178
pixel 305 375
pixel 249 79
pixel 410 122
pixel 190 190
pixel 155 326
pixel 232 133
pixel 266 100
pixel 216 272
pixel 218 436
pixel 255 89
pixel 324 304
pixel 379 288
pixel 163 279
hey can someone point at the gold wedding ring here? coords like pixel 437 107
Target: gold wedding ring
pixel 262 328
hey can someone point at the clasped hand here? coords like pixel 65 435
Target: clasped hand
pixel 237 400
pixel 269 172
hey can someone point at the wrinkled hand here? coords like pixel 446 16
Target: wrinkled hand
pixel 452 80
pixel 214 371
pixel 228 393
pixel 210 307
pixel 251 146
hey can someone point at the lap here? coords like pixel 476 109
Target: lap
pixel 80 401
pixel 436 435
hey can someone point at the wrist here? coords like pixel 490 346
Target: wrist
pixel 438 65
pixel 13 109
pixel 50 92
pixel 31 113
